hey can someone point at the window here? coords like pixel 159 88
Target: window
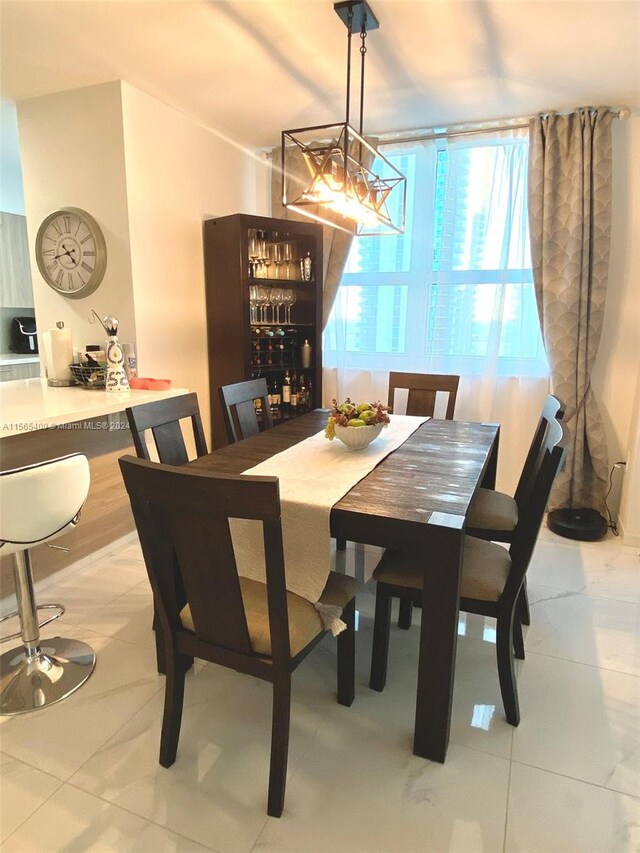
pixel 454 293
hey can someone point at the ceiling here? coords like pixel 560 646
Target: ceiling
pixel 250 68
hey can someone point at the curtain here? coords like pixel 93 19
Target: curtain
pixel 570 222
pixel 335 244
pixel 454 294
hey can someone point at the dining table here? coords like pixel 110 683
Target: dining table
pixel 416 498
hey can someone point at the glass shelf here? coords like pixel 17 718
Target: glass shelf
pixel 281 368
pixel 279 281
pixel 284 326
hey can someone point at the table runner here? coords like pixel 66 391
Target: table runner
pixel 313 476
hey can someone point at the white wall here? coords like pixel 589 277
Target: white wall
pixel 618 360
pixel 629 521
pixel 73 156
pixel 617 369
pixel 178 174
pixel 11 192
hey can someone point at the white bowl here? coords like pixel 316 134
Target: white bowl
pixel 356 438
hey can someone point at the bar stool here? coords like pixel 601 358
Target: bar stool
pixel 38 503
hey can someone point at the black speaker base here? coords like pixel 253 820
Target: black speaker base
pixel 584 523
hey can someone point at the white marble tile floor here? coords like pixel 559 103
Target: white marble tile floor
pixel 83 775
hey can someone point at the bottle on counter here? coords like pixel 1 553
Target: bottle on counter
pixel 286 391
pixel 257 403
pixel 294 393
pixel 275 397
pixel 116 374
pixel 130 360
pixel 303 398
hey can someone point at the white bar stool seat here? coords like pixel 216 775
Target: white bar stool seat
pixel 38 503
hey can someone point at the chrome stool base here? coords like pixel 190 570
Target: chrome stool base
pixel 51 673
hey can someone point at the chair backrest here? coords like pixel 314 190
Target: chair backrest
pixel 163 419
pixel 40 501
pixel 239 410
pixel 182 516
pixel 553 411
pixel 532 512
pixel 423 388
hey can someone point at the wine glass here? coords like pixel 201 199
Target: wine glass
pixel 254 253
pixel 277 299
pixel 268 258
pixel 279 258
pixel 262 254
pixel 263 302
pixel 290 299
pixel 287 253
pixel 253 302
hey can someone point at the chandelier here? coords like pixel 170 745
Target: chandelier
pixel 330 172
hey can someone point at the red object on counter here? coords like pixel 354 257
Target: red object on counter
pixel 140 383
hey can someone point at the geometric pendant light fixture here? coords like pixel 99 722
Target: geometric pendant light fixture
pixel 330 172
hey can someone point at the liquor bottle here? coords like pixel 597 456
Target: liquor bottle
pixel 306 267
pixel 294 393
pixel 257 403
pixel 303 399
pixel 286 392
pixel 275 398
pixel 309 395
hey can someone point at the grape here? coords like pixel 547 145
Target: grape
pixel 330 429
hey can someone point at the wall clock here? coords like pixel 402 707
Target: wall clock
pixel 71 252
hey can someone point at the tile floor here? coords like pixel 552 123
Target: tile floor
pixel 84 775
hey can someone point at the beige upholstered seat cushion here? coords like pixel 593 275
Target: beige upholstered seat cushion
pixel 491 510
pixel 304 619
pixel 485 568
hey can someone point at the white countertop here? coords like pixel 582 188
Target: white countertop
pixel 30 404
pixel 17 358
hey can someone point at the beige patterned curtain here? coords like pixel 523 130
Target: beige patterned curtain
pixel 335 244
pixel 570 223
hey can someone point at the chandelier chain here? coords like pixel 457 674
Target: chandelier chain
pixel 349 33
pixel 363 52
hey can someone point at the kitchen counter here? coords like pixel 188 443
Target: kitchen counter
pixel 30 404
pixel 17 358
pixel 38 422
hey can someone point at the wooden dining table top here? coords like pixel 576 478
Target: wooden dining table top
pixel 435 471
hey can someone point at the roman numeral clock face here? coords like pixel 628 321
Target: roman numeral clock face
pixel 71 252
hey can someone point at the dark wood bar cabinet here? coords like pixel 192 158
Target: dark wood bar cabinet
pixel 246 339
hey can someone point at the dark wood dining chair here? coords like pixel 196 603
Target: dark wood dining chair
pixel 491 579
pixel 423 389
pixel 241 419
pixel 260 629
pixel 494 515
pixel 163 419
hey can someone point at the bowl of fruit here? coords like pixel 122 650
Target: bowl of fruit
pixel 356 424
